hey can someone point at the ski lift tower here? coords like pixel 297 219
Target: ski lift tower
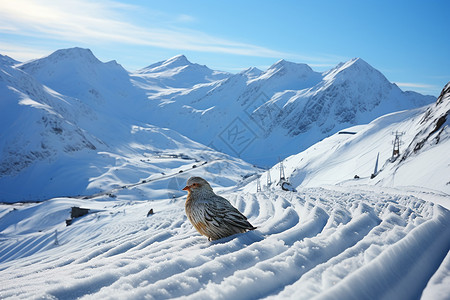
pixel 397 142
pixel 258 185
pixel 282 176
pixel 375 171
pixel 285 185
pixel 269 179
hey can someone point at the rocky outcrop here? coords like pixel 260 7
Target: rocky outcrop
pixel 434 125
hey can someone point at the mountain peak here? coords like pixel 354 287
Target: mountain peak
pixel 171 63
pixel 74 53
pixel 283 67
pixel 251 72
pixel 65 62
pixel 6 60
pixel 180 60
pixel 356 63
pixel 292 75
pixel 445 94
pixel 178 71
pixel 280 62
pixel 65 58
pixel 358 69
pixel 284 64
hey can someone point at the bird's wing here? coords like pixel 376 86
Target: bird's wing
pixel 219 211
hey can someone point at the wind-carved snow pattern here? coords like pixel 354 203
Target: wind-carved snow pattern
pixel 335 243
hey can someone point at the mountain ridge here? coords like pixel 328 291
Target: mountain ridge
pixel 178 72
pixel 286 100
pixel 79 106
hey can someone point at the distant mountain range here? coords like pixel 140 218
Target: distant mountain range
pixel 261 116
pixel 60 114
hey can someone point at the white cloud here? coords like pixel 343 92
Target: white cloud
pixel 100 22
pixel 415 85
pixel 22 53
pixel 107 22
pixel 422 88
pixel 186 18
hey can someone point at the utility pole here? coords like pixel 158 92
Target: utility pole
pixel 282 176
pixel 269 179
pixel 375 171
pixel 285 185
pixel 397 142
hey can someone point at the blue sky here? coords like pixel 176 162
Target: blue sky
pixel 406 40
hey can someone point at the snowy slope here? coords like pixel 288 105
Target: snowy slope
pixel 37 124
pixel 334 243
pixel 59 162
pixel 433 127
pixel 259 116
pixel 82 131
pixel 423 162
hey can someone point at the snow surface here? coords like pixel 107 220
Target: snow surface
pixel 330 242
pixel 349 157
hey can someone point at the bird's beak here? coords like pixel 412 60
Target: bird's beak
pixel 186 188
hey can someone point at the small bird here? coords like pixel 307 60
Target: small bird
pixel 212 215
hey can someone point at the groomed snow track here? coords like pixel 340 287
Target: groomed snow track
pixel 330 243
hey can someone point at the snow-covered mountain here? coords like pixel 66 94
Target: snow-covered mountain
pixel 260 116
pixel 349 157
pixel 433 127
pixel 69 123
pixel 256 115
pixel 77 73
pixel 178 72
pixel 69 104
pixel 37 122
pixel 336 237
pixel 6 60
